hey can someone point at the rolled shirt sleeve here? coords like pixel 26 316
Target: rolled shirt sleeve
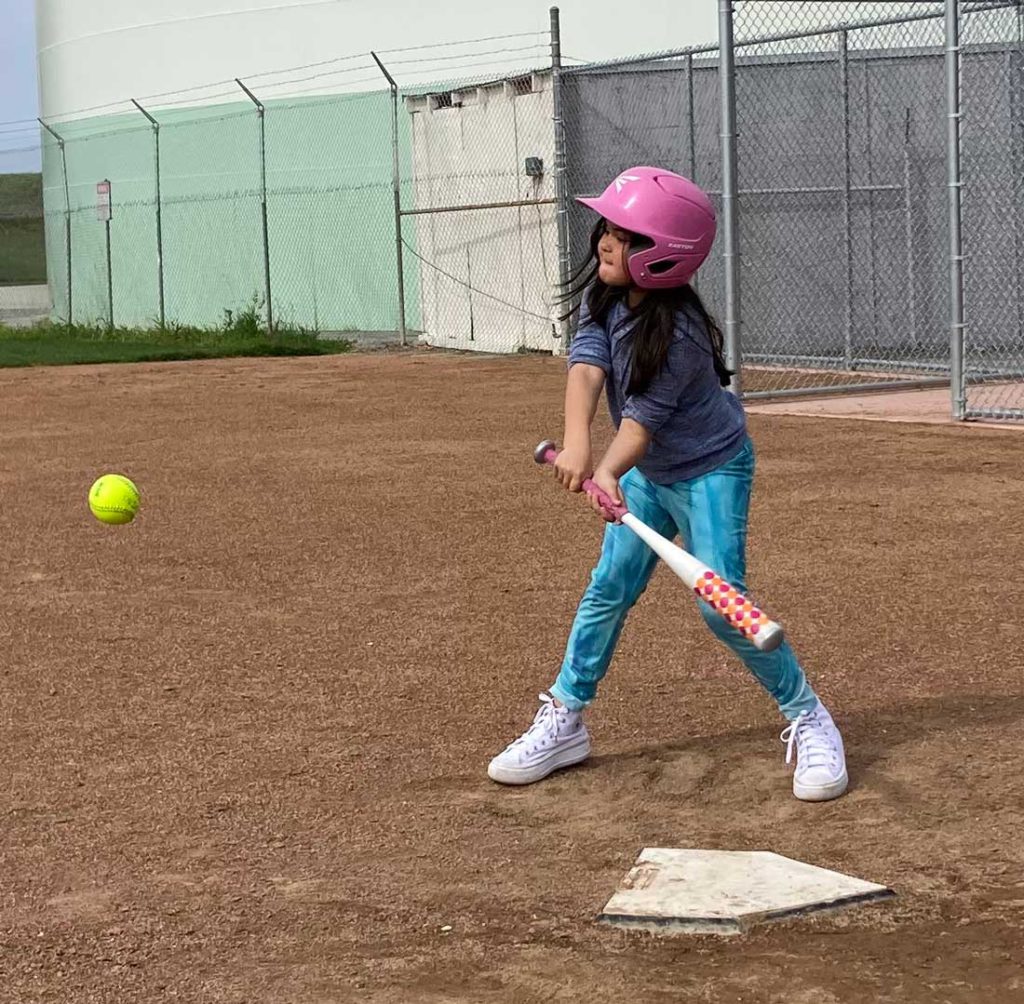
pixel 591 343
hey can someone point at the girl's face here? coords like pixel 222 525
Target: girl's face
pixel 612 249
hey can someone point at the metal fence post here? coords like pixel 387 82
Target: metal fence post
pixel 396 184
pixel 159 213
pixel 110 266
pixel 261 113
pixel 561 199
pixel 67 211
pixel 691 125
pixel 953 187
pixel 908 231
pixel 730 209
pixel 870 168
pixel 844 86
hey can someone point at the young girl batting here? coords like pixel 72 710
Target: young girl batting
pixel 681 461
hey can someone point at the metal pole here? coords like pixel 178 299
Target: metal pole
pixel 159 212
pixel 67 210
pixel 396 185
pixel 561 197
pixel 908 231
pixel 692 134
pixel 953 187
pixel 691 125
pixel 730 209
pixel 872 230
pixel 110 274
pixel 511 204
pixel 260 111
pixel 844 86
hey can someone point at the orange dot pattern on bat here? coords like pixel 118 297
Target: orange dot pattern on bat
pixel 739 611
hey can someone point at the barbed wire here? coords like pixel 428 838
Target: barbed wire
pixel 462 55
pixel 468 41
pixel 114 105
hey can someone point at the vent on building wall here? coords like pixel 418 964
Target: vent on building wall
pixel 438 101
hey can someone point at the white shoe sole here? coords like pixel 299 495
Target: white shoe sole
pixel 567 755
pixel 821 792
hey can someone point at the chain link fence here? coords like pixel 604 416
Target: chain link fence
pixel 844 198
pixel 278 207
pixel 659 110
pixel 446 212
pixel 841 195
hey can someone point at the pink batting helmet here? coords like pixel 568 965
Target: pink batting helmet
pixel 667 209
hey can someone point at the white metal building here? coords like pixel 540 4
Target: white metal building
pixel 487 145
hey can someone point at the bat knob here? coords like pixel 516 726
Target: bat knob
pixel 541 453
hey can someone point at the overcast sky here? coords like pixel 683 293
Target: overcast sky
pixel 591 29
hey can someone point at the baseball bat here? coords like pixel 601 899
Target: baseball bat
pixel 737 610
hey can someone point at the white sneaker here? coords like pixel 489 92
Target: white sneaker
pixel 557 738
pixel 820 760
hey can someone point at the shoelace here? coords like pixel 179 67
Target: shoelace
pixel 813 743
pixel 544 723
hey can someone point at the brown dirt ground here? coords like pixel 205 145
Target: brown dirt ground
pixel 243 740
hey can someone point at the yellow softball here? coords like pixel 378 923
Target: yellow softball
pixel 114 499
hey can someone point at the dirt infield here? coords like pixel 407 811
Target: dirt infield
pixel 243 740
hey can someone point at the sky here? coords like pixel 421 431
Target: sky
pixel 84 66
pixel 18 89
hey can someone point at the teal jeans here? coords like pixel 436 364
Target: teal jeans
pixel 709 513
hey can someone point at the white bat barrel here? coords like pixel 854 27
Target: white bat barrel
pixel 737 610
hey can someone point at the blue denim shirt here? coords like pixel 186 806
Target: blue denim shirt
pixel 695 424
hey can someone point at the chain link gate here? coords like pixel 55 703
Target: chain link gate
pixel 991 92
pixel 841 196
pixel 842 193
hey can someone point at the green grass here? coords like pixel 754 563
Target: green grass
pixel 51 344
pixel 22 241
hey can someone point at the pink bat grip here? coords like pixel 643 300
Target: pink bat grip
pixel 593 490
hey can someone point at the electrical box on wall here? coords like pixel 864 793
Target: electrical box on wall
pixel 534 167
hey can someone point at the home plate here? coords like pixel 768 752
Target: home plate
pixel 727 892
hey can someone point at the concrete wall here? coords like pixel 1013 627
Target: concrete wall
pixel 24 304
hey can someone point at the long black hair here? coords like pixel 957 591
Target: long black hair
pixel 655 316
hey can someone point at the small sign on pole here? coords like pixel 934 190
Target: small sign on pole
pixel 103 210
